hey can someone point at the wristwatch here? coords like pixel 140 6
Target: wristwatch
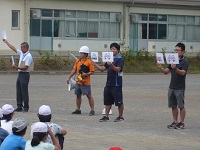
pixel 86 75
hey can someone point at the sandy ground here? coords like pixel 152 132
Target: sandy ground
pixel 146 113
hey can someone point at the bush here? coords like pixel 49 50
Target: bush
pixel 51 62
pixel 135 62
pixel 144 62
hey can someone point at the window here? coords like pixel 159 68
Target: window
pixel 15 19
pixel 35 27
pixel 170 27
pixel 162 31
pixel 75 24
pixel 47 28
pixel 152 31
pixel 47 13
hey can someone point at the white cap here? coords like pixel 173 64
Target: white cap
pixel 19 123
pixel 39 127
pixel 7 109
pixel 84 49
pixel 44 110
pixel 1 113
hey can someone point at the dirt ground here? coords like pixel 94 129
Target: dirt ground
pixel 146 113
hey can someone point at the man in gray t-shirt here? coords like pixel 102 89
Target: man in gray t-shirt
pixel 176 92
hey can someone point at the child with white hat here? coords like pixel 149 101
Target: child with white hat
pixel 3 133
pixel 6 122
pixel 40 132
pixel 16 141
pixel 44 115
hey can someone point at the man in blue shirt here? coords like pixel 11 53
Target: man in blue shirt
pixel 113 88
pixel 16 141
pixel 176 92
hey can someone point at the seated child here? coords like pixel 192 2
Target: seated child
pixel 40 132
pixel 15 141
pixel 6 122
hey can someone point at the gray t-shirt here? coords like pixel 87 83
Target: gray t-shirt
pixel 178 81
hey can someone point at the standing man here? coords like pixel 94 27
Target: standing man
pixel 84 68
pixel 176 92
pixel 25 61
pixel 113 88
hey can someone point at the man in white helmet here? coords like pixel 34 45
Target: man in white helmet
pixel 83 68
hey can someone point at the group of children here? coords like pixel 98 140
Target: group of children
pixel 44 134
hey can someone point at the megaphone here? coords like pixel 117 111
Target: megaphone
pixel 71 84
pixel 104 112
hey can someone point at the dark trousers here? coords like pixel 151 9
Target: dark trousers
pixel 22 90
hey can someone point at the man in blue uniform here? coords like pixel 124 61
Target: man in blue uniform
pixel 113 88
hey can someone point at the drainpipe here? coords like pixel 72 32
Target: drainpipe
pixel 126 29
pixel 25 20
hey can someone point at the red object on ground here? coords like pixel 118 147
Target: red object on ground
pixel 115 148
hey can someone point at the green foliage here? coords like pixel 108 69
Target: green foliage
pixel 198 56
pixel 140 61
pixel 51 61
pixel 3 63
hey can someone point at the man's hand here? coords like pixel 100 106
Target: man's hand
pixel 5 41
pixel 94 63
pixel 68 81
pixel 173 66
pixel 159 65
pixel 109 63
pixel 14 66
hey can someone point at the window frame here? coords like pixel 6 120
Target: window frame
pixel 18 20
pixel 176 21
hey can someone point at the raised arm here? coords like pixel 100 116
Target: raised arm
pixel 9 45
pixel 164 70
pixel 100 68
pixel 55 141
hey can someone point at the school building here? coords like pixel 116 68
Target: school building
pixel 66 25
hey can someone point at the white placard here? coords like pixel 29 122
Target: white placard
pixel 160 58
pixel 172 58
pixel 13 61
pixel 94 56
pixel 4 36
pixel 107 56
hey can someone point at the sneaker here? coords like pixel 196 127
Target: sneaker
pixel 172 126
pixel 104 119
pixel 25 110
pixel 77 112
pixel 92 112
pixel 180 126
pixel 119 119
pixel 18 109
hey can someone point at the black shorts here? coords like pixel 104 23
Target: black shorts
pixel 113 94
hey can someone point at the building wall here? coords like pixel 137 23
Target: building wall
pixel 15 36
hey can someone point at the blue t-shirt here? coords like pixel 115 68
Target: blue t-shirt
pixel 13 142
pixel 3 135
pixel 115 78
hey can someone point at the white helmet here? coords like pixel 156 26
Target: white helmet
pixel 84 49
